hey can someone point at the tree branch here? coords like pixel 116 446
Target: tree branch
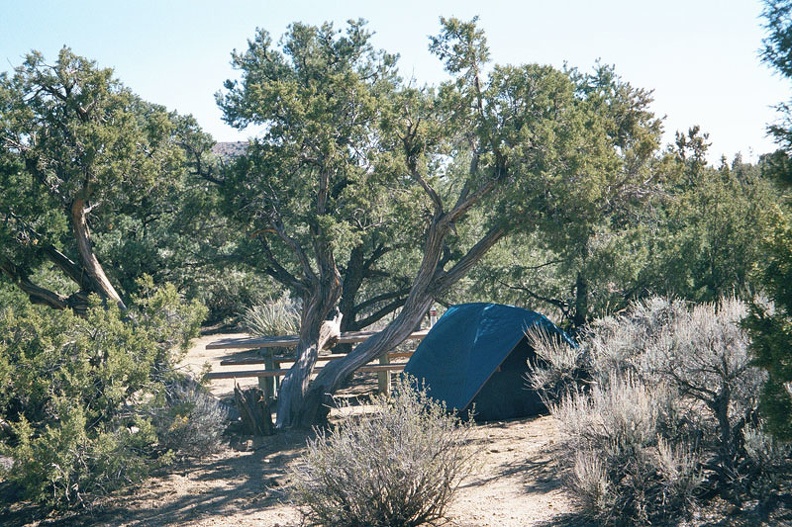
pixel 411 151
pixel 277 271
pixel 560 304
pixel 464 264
pixel 466 200
pixel 384 310
pixel 73 270
pixel 280 229
pixel 37 294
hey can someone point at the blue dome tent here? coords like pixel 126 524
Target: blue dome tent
pixel 477 354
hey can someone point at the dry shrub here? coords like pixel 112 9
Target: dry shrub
pixel 396 467
pixel 192 421
pixel 622 469
pixel 275 317
pixel 665 416
pixel 558 368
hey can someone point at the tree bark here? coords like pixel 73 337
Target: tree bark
pixel 316 307
pixel 255 411
pixel 429 281
pixel 36 294
pixel 315 407
pixel 82 235
pixel 301 405
pixel 581 301
pixel 353 279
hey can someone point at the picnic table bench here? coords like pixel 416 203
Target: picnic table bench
pixel 264 354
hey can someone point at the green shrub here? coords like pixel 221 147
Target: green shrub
pixel 396 467
pixel 68 463
pixel 76 393
pixel 770 325
pixel 666 415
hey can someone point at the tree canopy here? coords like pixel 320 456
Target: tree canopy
pixel 78 151
pixel 354 163
pixel 771 323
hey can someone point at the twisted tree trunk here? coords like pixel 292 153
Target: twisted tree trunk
pixel 96 275
pixel 431 280
pixel 315 406
pixel 295 384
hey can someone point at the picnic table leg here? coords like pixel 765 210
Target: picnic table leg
pixel 268 384
pixel 384 377
pixel 276 381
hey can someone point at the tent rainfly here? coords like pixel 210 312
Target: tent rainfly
pixel 476 356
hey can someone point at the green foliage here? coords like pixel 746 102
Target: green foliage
pixel 67 465
pixel 89 168
pixel 689 230
pixel 397 466
pixel 75 392
pixel 317 194
pixel 167 319
pixel 771 324
pixel 706 232
pixel 771 329
pixel 659 408
pixel 577 149
pixel 777 44
pixel 530 147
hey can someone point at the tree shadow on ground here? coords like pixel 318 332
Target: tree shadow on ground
pixel 538 467
pixel 250 474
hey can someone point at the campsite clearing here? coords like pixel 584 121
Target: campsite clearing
pixel 517 484
pixel 246 483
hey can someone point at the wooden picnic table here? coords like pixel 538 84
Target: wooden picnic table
pixel 248 360
pixel 289 341
pixel 269 377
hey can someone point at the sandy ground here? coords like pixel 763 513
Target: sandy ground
pixel 246 484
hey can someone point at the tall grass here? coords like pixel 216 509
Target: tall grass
pixel 280 316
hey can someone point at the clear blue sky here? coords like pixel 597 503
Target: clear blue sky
pixel 699 56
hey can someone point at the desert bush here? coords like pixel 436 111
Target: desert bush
pixel 75 393
pixel 623 470
pixel 558 369
pixel 666 416
pixel 395 467
pixel 189 421
pixel 68 463
pixel 280 316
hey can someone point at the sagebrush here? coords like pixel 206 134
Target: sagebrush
pixel 665 416
pixel 280 316
pixel 396 466
pixel 189 421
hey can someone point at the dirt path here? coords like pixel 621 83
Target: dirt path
pixel 245 484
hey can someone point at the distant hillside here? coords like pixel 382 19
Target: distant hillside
pixel 230 149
